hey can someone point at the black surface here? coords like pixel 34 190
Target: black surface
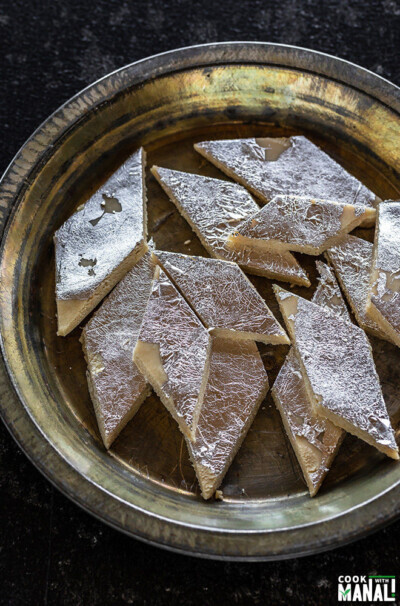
pixel 50 551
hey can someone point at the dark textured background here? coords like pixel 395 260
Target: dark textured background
pixel 50 551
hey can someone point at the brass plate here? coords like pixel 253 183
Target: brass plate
pixel 145 486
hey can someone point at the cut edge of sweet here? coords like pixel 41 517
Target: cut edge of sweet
pixel 320 410
pixel 70 312
pixel 182 211
pixel 234 335
pixel 236 241
pixel 300 278
pixel 109 437
pixel 143 354
pixel 312 488
pixel 274 339
pixel 147 354
pixel 231 333
pixel 368 221
pixel 359 433
pixel 389 333
pixel 376 333
pixel 202 390
pixel 315 399
pixel 210 482
pixel 327 276
pixel 371 309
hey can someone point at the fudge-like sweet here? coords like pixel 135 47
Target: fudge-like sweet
pixel 116 386
pixel 339 371
pixel 237 385
pixel 100 242
pixel 273 166
pixel 352 262
pixel 383 304
pixel 328 293
pixel 172 352
pixel 223 297
pixel 214 208
pixel 315 440
pixel 298 223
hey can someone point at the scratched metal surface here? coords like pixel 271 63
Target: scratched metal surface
pixel 146 485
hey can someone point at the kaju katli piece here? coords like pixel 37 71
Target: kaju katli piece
pixel 383 303
pixel 271 166
pixel 299 224
pixel 172 352
pixel 214 208
pixel 223 297
pixel 315 440
pixel 237 384
pixel 328 293
pixel 352 262
pixel 339 371
pixel 116 386
pixel 100 242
